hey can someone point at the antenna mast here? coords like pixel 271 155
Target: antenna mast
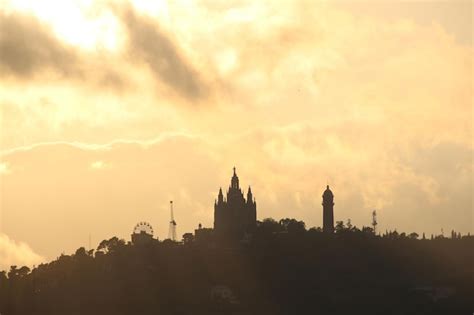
pixel 374 221
pixel 172 229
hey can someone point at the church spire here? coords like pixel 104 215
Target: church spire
pixel 235 180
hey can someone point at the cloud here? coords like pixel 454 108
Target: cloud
pixel 4 169
pixel 29 50
pixel 308 93
pixel 16 253
pixel 168 63
pixel 99 165
pixel 27 46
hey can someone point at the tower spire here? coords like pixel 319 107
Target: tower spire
pixel 235 180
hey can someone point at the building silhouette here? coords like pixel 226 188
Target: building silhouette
pixel 234 216
pixel 203 235
pixel 328 211
pixel 141 238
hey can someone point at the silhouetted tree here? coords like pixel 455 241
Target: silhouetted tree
pixel 111 245
pixel 316 230
pixel 339 228
pixel 81 252
pixel 349 224
pixel 188 238
pixel 292 226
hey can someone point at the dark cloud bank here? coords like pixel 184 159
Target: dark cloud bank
pixel 28 47
pixel 148 43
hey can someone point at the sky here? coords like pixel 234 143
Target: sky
pixel 110 109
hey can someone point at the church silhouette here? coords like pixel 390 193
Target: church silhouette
pixel 234 216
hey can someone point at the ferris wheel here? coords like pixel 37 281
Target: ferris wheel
pixel 143 227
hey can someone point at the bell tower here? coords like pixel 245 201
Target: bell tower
pixel 328 211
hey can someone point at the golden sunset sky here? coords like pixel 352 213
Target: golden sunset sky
pixel 109 109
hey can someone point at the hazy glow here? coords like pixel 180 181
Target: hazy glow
pixel 4 168
pixel 74 22
pixel 98 165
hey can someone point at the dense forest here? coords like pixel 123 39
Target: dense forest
pixel 282 269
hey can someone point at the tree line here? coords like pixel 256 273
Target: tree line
pixel 283 268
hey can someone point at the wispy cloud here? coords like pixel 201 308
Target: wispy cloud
pixel 16 253
pixel 156 48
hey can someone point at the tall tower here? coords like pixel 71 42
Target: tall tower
pixel 172 229
pixel 328 211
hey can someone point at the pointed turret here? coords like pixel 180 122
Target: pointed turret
pixel 249 195
pixel 220 196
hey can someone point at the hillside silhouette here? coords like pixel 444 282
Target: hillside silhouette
pixel 283 268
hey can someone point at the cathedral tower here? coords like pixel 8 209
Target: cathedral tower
pixel 234 216
pixel 328 211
